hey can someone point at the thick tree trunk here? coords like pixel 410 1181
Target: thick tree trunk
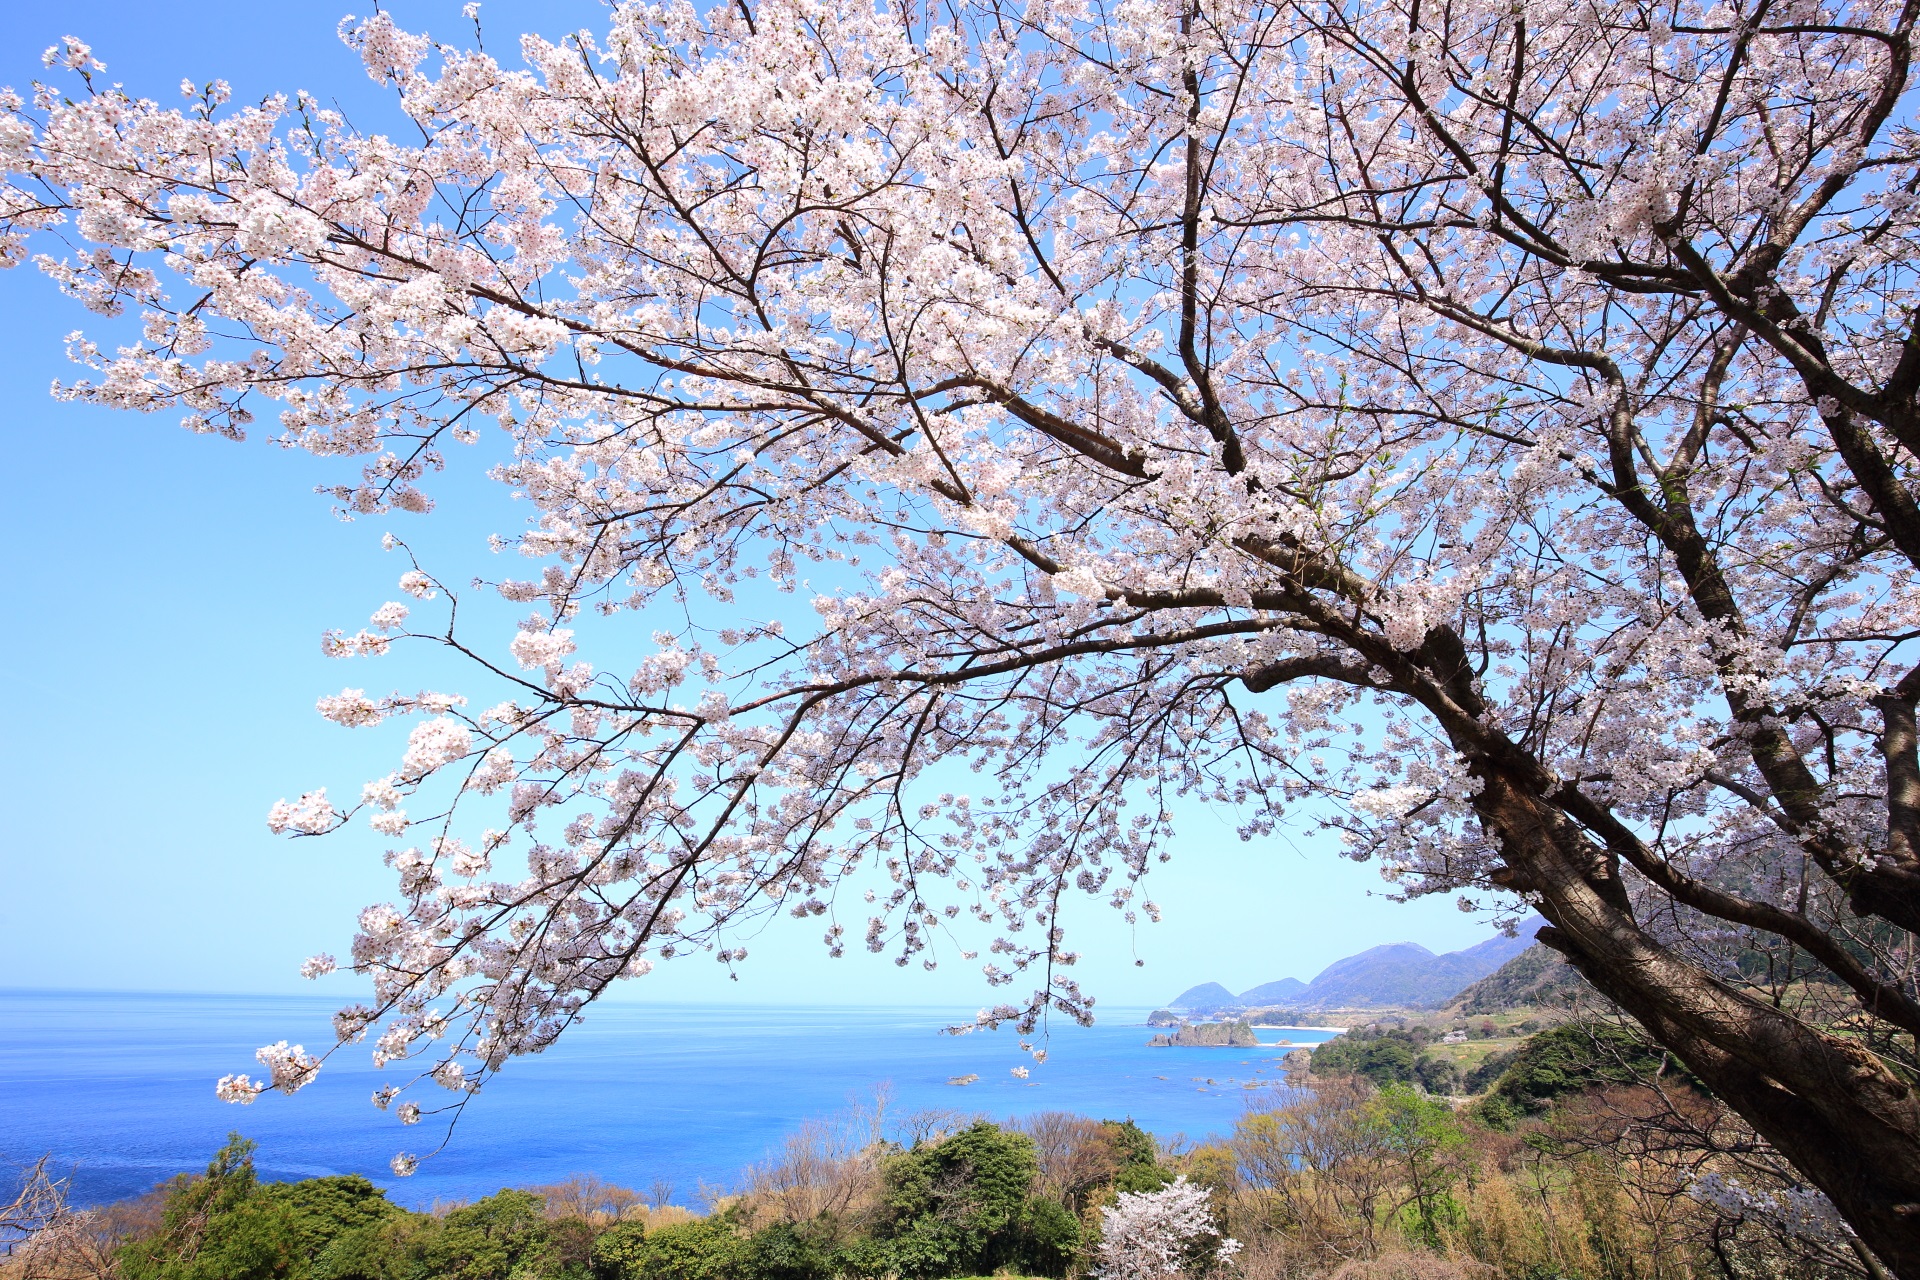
pixel 1848 1124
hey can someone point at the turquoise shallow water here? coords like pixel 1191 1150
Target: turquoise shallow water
pixel 121 1088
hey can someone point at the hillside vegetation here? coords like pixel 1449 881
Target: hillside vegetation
pixel 1536 978
pixel 1586 1155
pixel 966 1197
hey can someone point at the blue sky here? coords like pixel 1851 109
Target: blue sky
pixel 166 593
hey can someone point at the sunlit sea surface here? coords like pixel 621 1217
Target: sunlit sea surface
pixel 120 1088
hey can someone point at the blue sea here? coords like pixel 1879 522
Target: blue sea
pixel 119 1088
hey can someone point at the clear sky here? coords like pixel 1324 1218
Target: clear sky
pixel 165 594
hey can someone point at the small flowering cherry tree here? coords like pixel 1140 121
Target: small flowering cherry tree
pixel 1160 1233
pixel 1494 426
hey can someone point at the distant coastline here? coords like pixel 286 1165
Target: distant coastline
pixel 1402 975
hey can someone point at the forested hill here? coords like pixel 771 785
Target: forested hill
pixel 1396 975
pixel 1535 978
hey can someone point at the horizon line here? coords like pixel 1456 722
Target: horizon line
pixel 605 1001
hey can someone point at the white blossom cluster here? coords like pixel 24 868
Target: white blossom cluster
pixel 289 1069
pixel 1154 1233
pixel 1801 1212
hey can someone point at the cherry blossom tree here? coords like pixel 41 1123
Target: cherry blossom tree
pixel 1488 430
pixel 1144 1234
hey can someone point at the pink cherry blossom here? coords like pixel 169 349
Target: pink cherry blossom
pixel 1483 437
pixel 1151 1233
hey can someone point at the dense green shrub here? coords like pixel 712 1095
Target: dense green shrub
pixel 384 1251
pixel 1051 1236
pixel 1436 1075
pixel 503 1237
pixel 219 1227
pixel 225 1225
pixel 1482 1077
pixel 319 1211
pixel 1384 1058
pixel 1138 1157
pixel 1572 1059
pixel 963 1206
pixel 1387 1057
pixel 790 1251
pixel 704 1249
pixel 951 1207
pixel 192 1206
pixel 617 1251
pixel 865 1258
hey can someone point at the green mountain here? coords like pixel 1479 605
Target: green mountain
pixel 1208 997
pixel 1285 991
pixel 1534 978
pixel 1397 975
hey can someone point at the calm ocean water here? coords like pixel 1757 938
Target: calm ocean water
pixel 120 1087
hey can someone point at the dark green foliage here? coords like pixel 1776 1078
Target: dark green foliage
pixel 380 1252
pixel 1482 1077
pixel 865 1258
pixel 1386 1058
pixel 369 1254
pixel 1052 1233
pixel 1132 1144
pixel 1571 1059
pixel 1140 1177
pixel 319 1210
pixel 617 1251
pixel 502 1237
pixel 963 1206
pixel 227 1226
pixel 1436 1075
pixel 953 1207
pixel 704 1249
pixel 789 1251
pixel 1574 1058
pixel 1536 977
pixel 1138 1157
pixel 217 1227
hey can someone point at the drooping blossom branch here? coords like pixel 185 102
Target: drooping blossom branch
pixel 1486 432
